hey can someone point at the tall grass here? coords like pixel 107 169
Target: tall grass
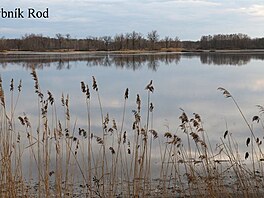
pixel 54 156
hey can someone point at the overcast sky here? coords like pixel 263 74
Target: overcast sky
pixel 187 19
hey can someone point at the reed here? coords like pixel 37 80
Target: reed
pixel 55 156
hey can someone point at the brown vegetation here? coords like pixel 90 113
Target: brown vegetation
pixel 129 41
pixel 70 160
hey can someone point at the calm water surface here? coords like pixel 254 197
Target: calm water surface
pixel 188 81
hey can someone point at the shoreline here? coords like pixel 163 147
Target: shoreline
pixel 69 52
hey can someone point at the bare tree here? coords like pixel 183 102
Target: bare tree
pixel 140 39
pixel 134 37
pixel 119 41
pixel 2 43
pixel 167 41
pixel 153 38
pixel 177 42
pixel 60 38
pixel 127 37
pixel 68 37
pixel 107 40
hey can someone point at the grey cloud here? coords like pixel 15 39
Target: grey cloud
pixel 188 19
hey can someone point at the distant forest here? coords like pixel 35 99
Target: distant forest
pixel 129 41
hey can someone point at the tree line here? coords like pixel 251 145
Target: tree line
pixel 129 41
pixel 231 41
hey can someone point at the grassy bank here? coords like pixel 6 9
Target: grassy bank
pixel 92 52
pixel 125 52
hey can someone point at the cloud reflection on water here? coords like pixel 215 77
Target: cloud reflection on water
pixel 185 81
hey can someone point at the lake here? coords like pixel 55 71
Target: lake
pixel 182 81
pixel 188 81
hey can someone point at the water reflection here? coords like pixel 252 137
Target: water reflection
pixel 191 86
pixel 132 61
pixel 229 59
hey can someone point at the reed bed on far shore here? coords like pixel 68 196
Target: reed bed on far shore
pixel 55 156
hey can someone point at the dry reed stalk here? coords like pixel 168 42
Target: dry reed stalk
pixel 85 89
pixel 104 160
pixel 119 138
pixel 150 89
pixel 189 166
